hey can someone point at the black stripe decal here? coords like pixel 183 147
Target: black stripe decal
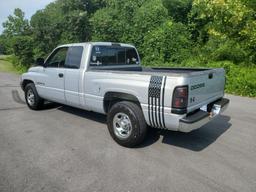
pixel 155 91
pixel 149 103
pixel 157 125
pixel 159 113
pixel 152 111
pixel 163 102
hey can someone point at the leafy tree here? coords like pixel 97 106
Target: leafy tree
pixel 105 27
pixel 128 21
pixel 178 9
pixel 170 42
pixel 224 21
pixel 15 38
pixel 46 27
pixel 16 24
pixel 63 21
pixel 4 45
pixel 149 16
pixel 251 4
pixel 163 30
pixel 115 21
pixel 225 18
pixel 224 50
pixel 22 50
pixel 75 20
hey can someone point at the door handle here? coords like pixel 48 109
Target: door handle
pixel 61 75
pixel 210 76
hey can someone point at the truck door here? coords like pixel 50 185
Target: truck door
pixel 52 78
pixel 72 75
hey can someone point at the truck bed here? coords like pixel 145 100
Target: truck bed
pixel 205 84
pixel 151 70
pixel 173 70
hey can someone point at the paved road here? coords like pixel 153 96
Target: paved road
pixel 66 149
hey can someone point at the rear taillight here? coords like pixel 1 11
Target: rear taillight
pixel 180 99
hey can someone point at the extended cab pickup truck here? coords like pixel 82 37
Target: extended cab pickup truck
pixel 107 78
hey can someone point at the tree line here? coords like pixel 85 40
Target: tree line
pixel 166 32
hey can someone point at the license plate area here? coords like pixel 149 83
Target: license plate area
pixel 213 110
pixel 204 108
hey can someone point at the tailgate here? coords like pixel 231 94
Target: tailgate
pixel 205 87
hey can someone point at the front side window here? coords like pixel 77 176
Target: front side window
pixel 110 55
pixel 57 58
pixel 74 57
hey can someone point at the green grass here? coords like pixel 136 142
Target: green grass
pixel 7 66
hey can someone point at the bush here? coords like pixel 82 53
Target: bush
pixel 23 51
pixel 225 50
pixel 5 47
pixel 240 80
pixel 167 43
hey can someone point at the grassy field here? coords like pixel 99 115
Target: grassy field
pixel 6 66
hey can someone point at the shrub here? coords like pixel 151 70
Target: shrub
pixel 240 80
pixel 167 43
pixel 23 50
pixel 227 50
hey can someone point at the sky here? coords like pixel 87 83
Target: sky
pixel 28 6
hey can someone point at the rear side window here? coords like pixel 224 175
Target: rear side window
pixel 110 55
pixel 131 56
pixel 74 57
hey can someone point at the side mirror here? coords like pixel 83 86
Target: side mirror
pixel 40 62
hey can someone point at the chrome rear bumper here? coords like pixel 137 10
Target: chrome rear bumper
pixel 200 118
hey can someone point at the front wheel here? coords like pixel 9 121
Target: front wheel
pixel 33 100
pixel 126 124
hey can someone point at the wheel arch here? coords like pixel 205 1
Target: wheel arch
pixel 25 82
pixel 112 97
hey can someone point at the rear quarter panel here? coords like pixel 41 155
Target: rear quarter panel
pixel 97 84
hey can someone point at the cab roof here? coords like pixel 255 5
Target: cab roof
pixel 97 44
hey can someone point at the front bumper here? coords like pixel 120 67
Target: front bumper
pixel 200 118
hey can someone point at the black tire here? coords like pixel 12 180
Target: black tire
pixel 38 101
pixel 136 117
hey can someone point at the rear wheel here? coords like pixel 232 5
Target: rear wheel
pixel 33 100
pixel 126 124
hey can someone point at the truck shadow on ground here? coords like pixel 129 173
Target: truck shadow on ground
pixel 196 140
pixel 85 114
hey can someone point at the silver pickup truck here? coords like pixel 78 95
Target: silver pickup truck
pixel 108 78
